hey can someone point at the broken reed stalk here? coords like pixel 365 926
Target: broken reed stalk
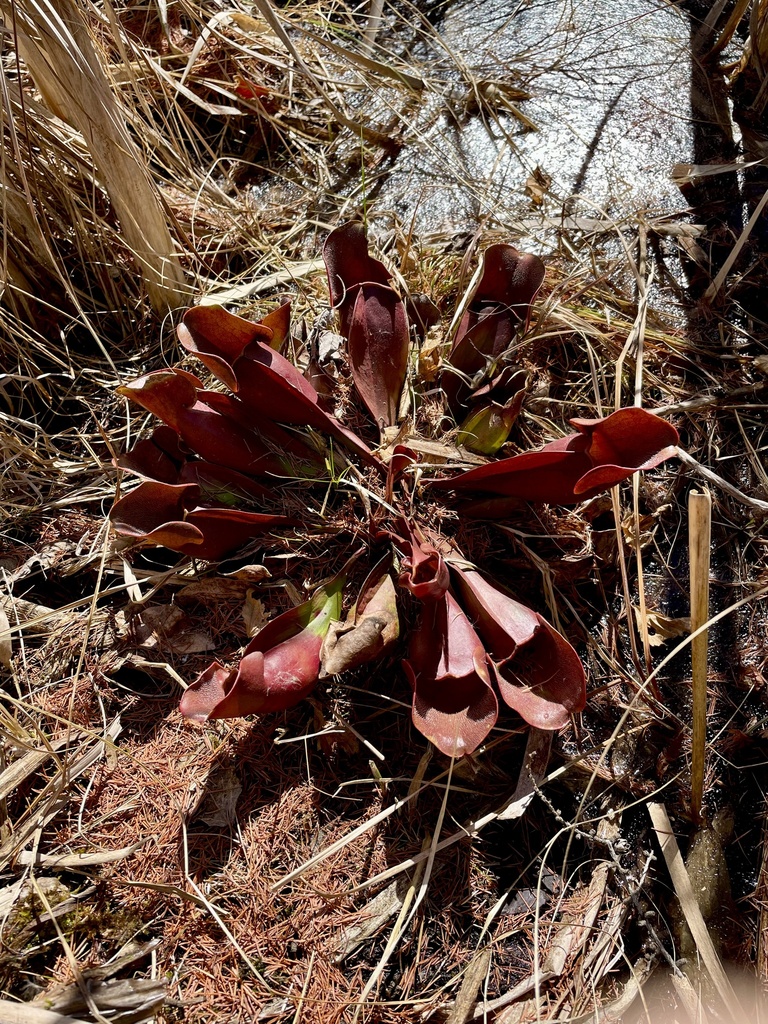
pixel 699 534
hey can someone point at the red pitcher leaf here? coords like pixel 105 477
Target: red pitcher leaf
pixel 279 667
pixel 535 476
pixel 503 623
pixel 273 385
pixel 490 334
pixel 225 530
pixel 378 350
pixel 402 459
pixel 169 515
pixel 538 672
pixel 158 457
pixel 301 460
pixel 454 705
pixel 238 352
pixel 283 393
pixel 163 393
pixel 371 627
pixel 162 458
pixel 455 719
pixel 400 462
pixel 154 513
pixel 218 338
pixel 544 682
pixel 348 263
pixel 621 444
pixel 424 571
pixel 151 505
pixel 208 690
pixel 172 397
pixel 508 278
pixel 497 305
pixel 579 466
pixel 508 385
pixel 262 683
pixel 279 322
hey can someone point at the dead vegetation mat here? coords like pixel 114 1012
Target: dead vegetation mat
pixel 320 865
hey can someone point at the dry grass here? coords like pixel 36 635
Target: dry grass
pixel 318 865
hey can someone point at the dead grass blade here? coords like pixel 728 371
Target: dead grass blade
pixel 360 130
pixel 25 1013
pixel 78 861
pixel 699 540
pixel 704 471
pixel 126 1001
pixel 531 774
pixel 6 648
pixel 413 82
pixel 405 915
pixel 374 916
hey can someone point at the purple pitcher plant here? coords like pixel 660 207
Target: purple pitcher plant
pixel 238 455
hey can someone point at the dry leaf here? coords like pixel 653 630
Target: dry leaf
pixel 255 616
pixel 647 528
pixel 474 976
pixel 167 627
pixel 430 355
pixel 662 627
pixel 337 737
pixel 537 185
pixel 371 627
pixel 330 347
pixel 438 452
pixel 132 584
pixel 48 557
pixel 250 574
pixel 372 918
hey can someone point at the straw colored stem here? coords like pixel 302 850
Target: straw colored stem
pixel 726 35
pixel 699 533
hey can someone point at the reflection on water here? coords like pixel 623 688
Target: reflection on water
pixel 610 85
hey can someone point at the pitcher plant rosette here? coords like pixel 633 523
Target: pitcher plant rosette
pixel 272 450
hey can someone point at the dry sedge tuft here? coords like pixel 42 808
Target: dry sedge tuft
pixel 54 43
